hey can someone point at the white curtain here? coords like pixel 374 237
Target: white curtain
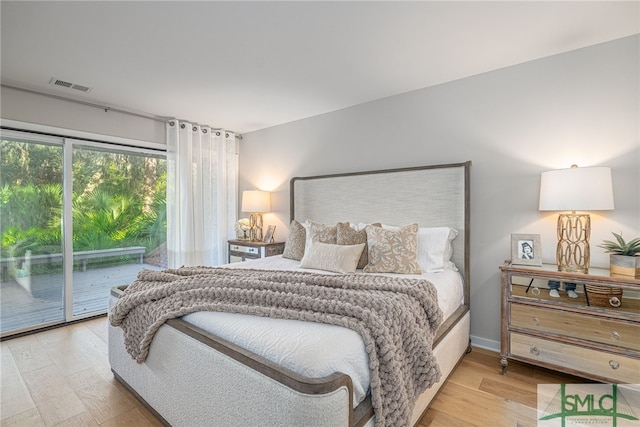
pixel 202 188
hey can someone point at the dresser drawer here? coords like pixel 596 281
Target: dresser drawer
pixel 612 366
pixel 607 331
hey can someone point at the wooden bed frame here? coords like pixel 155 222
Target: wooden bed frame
pixel 192 377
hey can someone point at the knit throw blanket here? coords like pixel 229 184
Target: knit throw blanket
pixel 396 317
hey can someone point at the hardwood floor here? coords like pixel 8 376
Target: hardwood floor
pixel 477 394
pixel 62 377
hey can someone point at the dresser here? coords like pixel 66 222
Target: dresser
pixel 595 336
pixel 242 250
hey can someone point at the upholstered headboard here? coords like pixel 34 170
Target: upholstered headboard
pixel 432 196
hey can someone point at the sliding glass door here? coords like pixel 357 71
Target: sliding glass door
pixel 118 221
pixel 31 182
pixel 76 219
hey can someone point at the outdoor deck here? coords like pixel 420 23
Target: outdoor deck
pixel 20 310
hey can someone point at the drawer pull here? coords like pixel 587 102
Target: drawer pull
pixel 535 321
pixel 536 352
pixel 615 302
pixel 535 291
pixel 614 364
pixel 615 336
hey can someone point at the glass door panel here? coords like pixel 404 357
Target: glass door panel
pixel 119 224
pixel 32 281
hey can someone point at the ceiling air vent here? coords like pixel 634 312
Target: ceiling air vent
pixel 63 83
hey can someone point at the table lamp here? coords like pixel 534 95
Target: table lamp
pixel 575 189
pixel 256 202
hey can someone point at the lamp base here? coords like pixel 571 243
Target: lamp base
pixel 255 222
pixel 573 251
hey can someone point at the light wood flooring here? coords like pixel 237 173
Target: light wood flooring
pixel 62 377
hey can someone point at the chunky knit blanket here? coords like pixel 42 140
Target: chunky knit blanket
pixel 396 317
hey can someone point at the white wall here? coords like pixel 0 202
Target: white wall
pixel 580 107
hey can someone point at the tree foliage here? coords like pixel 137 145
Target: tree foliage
pixel 119 199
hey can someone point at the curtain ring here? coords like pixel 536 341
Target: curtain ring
pixel 204 131
pixel 182 126
pixel 218 133
pixel 226 135
pixel 172 123
pixel 195 128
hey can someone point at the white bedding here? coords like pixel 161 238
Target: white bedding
pixel 302 346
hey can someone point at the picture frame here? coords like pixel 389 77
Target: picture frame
pixel 526 249
pixel 268 236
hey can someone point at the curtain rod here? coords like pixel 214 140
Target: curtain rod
pixel 98 106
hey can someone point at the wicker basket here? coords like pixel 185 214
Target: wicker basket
pixel 603 296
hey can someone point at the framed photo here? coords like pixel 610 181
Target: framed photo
pixel 268 236
pixel 526 249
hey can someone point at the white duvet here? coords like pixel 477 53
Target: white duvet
pixel 314 350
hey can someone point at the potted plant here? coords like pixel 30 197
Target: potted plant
pixel 624 258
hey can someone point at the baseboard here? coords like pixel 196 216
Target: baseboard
pixel 487 344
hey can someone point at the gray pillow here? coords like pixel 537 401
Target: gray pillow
pixel 348 236
pixel 294 246
pixel 317 232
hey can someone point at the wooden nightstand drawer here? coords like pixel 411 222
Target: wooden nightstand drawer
pixel 607 331
pixel 605 365
pixel 243 250
pixel 275 249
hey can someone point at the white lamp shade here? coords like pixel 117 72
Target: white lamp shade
pixel 576 189
pixel 256 201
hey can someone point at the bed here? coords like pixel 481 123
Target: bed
pixel 196 375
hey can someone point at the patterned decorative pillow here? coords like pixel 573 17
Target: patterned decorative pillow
pixel 393 251
pixel 348 236
pixel 330 257
pixel 317 232
pixel 294 246
pixel 435 248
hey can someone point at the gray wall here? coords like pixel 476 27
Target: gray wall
pixel 580 107
pixel 43 110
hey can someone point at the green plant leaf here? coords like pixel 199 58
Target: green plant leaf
pixel 620 247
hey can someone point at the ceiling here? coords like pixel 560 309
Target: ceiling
pixel 245 65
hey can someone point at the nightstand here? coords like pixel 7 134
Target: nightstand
pixel 242 250
pixel 595 336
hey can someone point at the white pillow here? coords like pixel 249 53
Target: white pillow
pixel 434 248
pixel 330 257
